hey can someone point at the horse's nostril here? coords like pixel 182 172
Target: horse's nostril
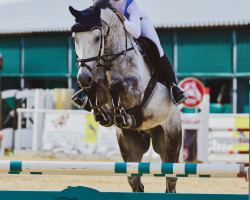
pixel 84 81
pixel 89 79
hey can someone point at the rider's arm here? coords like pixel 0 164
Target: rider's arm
pixel 133 25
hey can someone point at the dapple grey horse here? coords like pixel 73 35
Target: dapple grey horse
pixel 120 77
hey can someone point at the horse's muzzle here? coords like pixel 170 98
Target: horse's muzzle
pixel 84 81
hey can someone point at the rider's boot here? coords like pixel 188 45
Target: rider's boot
pixel 178 95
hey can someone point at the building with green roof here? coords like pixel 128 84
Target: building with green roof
pixel 209 40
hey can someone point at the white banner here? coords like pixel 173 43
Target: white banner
pixel 77 134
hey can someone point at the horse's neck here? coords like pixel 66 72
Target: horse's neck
pixel 116 43
pixel 116 40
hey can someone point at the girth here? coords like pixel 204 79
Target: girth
pixel 136 111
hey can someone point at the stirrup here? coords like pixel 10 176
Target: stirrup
pixel 172 96
pixel 79 103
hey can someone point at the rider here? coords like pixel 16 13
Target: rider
pixel 137 23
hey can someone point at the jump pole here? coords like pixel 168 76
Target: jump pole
pixel 127 169
pixel 114 168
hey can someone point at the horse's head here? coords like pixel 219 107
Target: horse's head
pixel 93 28
pixel 87 33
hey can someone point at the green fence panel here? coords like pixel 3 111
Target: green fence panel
pixel 243 50
pixel 83 193
pixel 11 52
pixel 218 108
pixel 46 55
pixel 204 51
pixel 56 83
pixel 166 38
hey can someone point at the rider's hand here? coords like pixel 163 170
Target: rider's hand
pixel 118 14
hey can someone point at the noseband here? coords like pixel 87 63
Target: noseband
pixel 106 62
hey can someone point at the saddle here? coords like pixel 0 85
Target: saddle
pixel 150 52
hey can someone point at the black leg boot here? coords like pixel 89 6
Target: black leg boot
pixel 178 95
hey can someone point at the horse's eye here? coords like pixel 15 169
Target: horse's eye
pixel 97 39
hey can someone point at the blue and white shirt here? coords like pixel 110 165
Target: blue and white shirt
pixel 137 23
pixel 131 12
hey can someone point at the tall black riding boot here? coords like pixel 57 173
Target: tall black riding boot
pixel 178 95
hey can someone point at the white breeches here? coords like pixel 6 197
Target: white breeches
pixel 148 30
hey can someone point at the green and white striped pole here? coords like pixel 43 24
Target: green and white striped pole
pixel 127 169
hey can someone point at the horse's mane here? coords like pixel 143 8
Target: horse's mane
pixel 102 4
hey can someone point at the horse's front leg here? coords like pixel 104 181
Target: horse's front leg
pixel 117 89
pixel 133 145
pixel 104 117
pixel 167 141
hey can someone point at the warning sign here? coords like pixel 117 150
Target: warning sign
pixel 195 91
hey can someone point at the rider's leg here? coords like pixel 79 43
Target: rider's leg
pixel 178 94
pixel 166 70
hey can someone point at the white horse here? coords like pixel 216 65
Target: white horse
pixel 116 79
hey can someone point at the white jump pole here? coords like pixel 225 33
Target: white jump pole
pixel 120 168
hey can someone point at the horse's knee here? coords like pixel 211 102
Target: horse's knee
pixel 136 184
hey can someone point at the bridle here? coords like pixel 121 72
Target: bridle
pixel 104 58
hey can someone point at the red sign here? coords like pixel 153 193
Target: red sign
pixel 195 91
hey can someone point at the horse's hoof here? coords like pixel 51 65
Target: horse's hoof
pixel 109 122
pixel 119 121
pixel 106 123
pixel 99 118
pixel 104 119
pixel 127 123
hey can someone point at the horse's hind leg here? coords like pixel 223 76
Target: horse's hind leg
pixel 167 141
pixel 133 144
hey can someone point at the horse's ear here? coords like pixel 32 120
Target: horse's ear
pixel 97 11
pixel 74 12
